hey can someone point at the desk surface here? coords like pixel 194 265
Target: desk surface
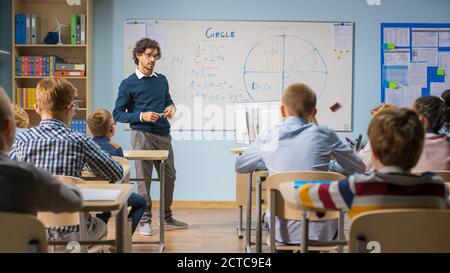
pixel 113 205
pixel 146 154
pixel 92 178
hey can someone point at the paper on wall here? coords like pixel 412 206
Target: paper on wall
pixel 444 37
pixel 417 74
pixel 342 36
pixel 436 88
pixel 398 75
pixel 410 94
pixel 157 32
pixel 425 37
pixel 397 36
pixel 394 96
pixel 397 57
pixel 426 55
pixel 444 60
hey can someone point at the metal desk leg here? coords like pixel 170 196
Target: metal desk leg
pixel 121 230
pixel 258 215
pixel 83 230
pixel 305 232
pixel 162 209
pixel 240 227
pixel 341 236
pixel 248 229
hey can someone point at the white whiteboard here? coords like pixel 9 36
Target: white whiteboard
pixel 212 65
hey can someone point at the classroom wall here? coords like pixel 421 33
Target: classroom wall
pixel 205 168
pixel 5 44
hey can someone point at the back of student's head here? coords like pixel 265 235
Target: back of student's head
pixel 396 137
pixel 446 96
pixel 55 94
pixel 382 107
pixel 300 100
pixel 100 122
pixel 434 109
pixel 21 117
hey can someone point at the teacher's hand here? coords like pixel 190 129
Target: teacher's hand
pixel 150 116
pixel 169 111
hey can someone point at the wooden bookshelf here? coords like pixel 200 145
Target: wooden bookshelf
pixel 47 11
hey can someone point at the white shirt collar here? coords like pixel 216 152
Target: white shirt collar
pixel 140 75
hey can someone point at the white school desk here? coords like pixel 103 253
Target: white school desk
pixel 119 204
pixel 152 155
pixel 289 194
pixel 244 196
pixel 91 178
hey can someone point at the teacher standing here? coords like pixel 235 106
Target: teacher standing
pixel 144 102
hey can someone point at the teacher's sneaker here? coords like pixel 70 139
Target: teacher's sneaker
pixel 146 229
pixel 172 223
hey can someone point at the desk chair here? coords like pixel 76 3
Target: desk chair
pixel 401 230
pixel 280 208
pixel 22 233
pixel 66 219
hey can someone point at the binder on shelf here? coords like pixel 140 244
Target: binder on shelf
pixel 17 29
pixel 34 29
pixel 69 73
pixel 74 21
pixel 83 29
pixel 22 29
pixel 70 67
pixel 78 34
pixel 28 29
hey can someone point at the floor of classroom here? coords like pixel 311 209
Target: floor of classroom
pixel 210 231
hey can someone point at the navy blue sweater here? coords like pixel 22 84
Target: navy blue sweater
pixel 148 94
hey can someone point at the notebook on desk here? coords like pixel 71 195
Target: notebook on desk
pixel 100 194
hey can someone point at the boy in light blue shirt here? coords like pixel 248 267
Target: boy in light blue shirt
pixel 298 145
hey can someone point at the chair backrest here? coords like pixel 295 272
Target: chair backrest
pixel 22 233
pixel 51 219
pixel 401 230
pixel 290 212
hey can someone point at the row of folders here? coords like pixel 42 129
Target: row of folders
pixel 27 29
pixel 47 66
pixel 26 97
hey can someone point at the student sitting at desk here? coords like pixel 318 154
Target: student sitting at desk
pixel 433 113
pixel 446 97
pixel 103 128
pixel 299 145
pixel 366 153
pixel 391 134
pixel 63 151
pixel 25 188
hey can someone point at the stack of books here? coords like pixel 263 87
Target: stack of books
pixel 36 65
pixel 79 125
pixel 26 97
pixel 70 70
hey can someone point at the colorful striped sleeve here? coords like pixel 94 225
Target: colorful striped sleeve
pixel 336 195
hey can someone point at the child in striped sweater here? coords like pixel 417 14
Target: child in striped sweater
pixel 397 138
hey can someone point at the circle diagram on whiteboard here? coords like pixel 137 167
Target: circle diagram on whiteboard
pixel 274 63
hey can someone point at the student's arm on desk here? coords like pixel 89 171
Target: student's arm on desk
pixel 101 163
pixel 250 160
pixel 336 195
pixel 347 161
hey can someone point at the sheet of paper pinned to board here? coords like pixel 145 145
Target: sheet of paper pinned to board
pixel 417 74
pixel 410 94
pixel 394 96
pixel 398 74
pixel 426 55
pixel 436 88
pixel 425 37
pixel 342 36
pixel 444 37
pixel 399 36
pixel 444 60
pixel 157 32
pixel 397 57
